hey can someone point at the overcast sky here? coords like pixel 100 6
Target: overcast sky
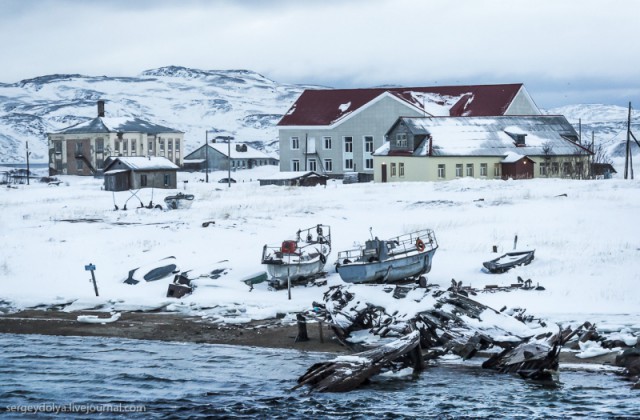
pixel 565 52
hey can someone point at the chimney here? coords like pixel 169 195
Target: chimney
pixel 100 108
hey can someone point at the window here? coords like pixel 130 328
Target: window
pixel 566 168
pixel 167 180
pixel 125 146
pixel 58 146
pixel 401 139
pixel 348 164
pixel 496 170
pixel 143 180
pixel 79 165
pixel 543 168
pixel 348 145
pixel 133 147
pixel 401 168
pixel 170 145
pixel 483 169
pixel 161 142
pixel 328 165
pixel 368 144
pixel 368 163
pixel 469 169
pixel 327 143
pixel 177 145
pixel 117 147
pixel 295 165
pixel 99 145
pixel 393 169
pixel 441 171
pixel 458 170
pixel 295 143
pixel 312 165
pixel 555 167
pixel 78 148
pixel 150 147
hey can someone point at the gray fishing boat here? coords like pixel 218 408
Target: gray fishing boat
pixel 405 257
pixel 302 258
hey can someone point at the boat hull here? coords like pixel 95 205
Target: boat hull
pixel 294 271
pixel 393 270
pixel 508 261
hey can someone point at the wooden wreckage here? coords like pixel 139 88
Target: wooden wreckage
pixel 425 324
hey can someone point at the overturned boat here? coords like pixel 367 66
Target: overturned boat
pixel 508 261
pixel 302 258
pixel 404 257
pixel 179 201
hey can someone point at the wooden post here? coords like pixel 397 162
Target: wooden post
pixel 92 268
pixel 302 328
pixel 628 150
pixel 321 333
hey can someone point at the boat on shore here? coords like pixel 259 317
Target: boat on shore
pixel 302 258
pixel 509 260
pixel 179 201
pixel 402 258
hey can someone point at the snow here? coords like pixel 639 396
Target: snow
pixel 344 107
pixel 587 243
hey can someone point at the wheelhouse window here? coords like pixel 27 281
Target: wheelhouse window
pixel 441 171
pixel 295 143
pixel 327 143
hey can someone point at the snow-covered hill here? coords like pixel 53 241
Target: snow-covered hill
pixel 241 103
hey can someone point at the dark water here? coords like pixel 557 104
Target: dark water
pixel 109 378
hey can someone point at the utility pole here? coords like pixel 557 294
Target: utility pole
pixel 28 171
pixel 628 150
pixel 206 153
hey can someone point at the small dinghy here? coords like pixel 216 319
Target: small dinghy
pixel 387 261
pixel 509 260
pixel 303 258
pixel 179 201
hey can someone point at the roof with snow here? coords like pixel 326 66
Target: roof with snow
pixel 491 136
pixel 140 163
pixel 245 151
pixel 117 125
pixel 325 107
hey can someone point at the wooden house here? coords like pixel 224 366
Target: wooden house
pixel 300 179
pixel 131 173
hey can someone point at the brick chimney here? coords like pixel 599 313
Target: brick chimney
pixel 100 108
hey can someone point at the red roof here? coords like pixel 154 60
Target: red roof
pixel 324 107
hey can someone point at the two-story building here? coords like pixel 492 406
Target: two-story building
pixel 83 148
pixel 224 156
pixel 336 131
pixel 502 147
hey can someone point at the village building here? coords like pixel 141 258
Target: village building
pixel 135 172
pixel 83 149
pixel 295 179
pixel 242 155
pixel 502 147
pixel 336 131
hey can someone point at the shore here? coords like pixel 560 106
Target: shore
pixel 163 326
pixel 273 333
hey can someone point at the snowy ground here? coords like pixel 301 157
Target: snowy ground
pixel 586 236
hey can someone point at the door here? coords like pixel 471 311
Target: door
pixel 384 172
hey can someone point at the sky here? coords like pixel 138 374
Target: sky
pixel 565 52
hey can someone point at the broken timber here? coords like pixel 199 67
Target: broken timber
pixel 345 373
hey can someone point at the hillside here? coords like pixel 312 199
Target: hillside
pixel 241 103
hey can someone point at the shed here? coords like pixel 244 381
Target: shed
pixel 127 173
pixel 604 170
pixel 516 166
pixel 301 179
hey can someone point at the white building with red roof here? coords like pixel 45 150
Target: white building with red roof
pixel 336 131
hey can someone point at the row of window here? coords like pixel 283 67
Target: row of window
pixel 327 143
pixel 312 164
pixel 125 144
pixel 145 182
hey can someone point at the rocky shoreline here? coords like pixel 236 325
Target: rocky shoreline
pixel 166 326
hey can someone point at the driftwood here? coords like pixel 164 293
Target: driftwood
pixel 345 373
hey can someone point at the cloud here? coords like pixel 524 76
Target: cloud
pixel 545 44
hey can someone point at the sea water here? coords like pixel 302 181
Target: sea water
pixel 82 377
